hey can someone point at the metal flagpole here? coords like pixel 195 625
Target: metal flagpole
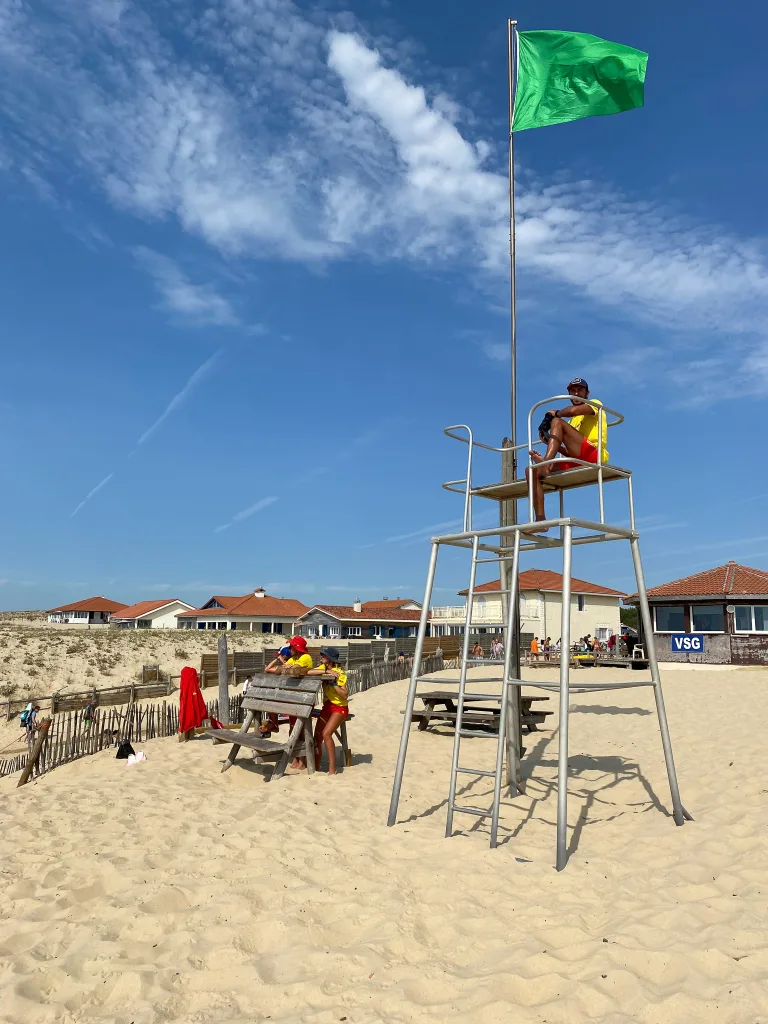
pixel 509 461
pixel 511 61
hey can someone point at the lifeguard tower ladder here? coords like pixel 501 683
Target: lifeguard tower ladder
pixel 503 545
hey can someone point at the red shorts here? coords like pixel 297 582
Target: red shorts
pixel 588 453
pixel 329 708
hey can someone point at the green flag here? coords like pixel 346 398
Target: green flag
pixel 562 76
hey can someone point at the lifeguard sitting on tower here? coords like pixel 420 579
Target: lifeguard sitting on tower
pixel 579 438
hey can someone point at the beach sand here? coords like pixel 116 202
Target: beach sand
pixel 168 892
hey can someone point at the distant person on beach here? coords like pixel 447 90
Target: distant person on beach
pixel 547 648
pixel 535 649
pixel 578 438
pixel 335 705
pixel 29 721
pixel 298 656
pixel 89 714
pixel 477 651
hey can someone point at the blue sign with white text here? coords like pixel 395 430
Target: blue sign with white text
pixel 687 643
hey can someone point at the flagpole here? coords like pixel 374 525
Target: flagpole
pixel 511 31
pixel 509 468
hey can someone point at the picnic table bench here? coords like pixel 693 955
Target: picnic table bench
pixel 286 695
pixel 476 711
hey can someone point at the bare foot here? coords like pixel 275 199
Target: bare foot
pixel 539 529
pixel 535 457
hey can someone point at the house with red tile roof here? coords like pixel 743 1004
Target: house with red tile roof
pixel 366 621
pixel 727 607
pixel 91 611
pixel 157 614
pixel 256 612
pixel 595 609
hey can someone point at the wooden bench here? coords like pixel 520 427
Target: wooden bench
pixel 280 695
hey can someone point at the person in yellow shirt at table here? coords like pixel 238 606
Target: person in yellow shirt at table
pixel 298 655
pixel 578 438
pixel 335 705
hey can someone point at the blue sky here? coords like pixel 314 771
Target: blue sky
pixel 254 260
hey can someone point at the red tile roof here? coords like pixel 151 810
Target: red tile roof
pixel 250 605
pixel 730 580
pixel 545 579
pixel 344 612
pixel 144 608
pixel 91 604
pixel 389 603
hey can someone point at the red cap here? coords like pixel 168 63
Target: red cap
pixel 299 643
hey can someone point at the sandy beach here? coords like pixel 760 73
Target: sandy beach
pixel 169 892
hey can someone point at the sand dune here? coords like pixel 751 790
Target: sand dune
pixel 170 892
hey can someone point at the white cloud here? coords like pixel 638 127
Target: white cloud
pixel 279 138
pixel 246 513
pixel 179 397
pixel 200 303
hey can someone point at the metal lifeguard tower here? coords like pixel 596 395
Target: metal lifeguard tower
pixel 504 545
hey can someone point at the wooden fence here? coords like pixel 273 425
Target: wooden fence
pixel 71 737
pixel 110 696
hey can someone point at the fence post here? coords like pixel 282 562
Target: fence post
pixel 223 680
pixel 35 755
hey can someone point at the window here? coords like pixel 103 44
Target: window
pixel 670 618
pixel 354 631
pixel 602 632
pixel 334 631
pixel 233 625
pixel 277 627
pixel 211 625
pixel 707 618
pixel 412 631
pixel 752 618
pixel 144 623
pixel 580 602
pixel 266 627
pixel 222 625
pixel 201 625
pixel 311 632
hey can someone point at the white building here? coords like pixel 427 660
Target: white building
pixel 151 614
pixel 594 609
pixel 91 611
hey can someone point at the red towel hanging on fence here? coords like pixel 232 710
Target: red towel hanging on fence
pixel 192 709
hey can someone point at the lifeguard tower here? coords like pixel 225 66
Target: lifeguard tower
pixel 504 545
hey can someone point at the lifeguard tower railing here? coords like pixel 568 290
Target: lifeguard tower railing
pixel 503 545
pixel 589 472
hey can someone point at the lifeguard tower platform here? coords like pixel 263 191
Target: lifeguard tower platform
pixel 504 545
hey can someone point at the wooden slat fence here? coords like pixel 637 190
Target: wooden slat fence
pixel 110 696
pixel 70 738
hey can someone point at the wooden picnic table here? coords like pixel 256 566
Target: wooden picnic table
pixel 477 710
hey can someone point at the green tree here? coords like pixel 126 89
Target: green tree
pixel 629 616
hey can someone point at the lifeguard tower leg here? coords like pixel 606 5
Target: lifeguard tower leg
pixel 416 671
pixel 678 811
pixel 562 740
pixel 511 694
pixel 508 722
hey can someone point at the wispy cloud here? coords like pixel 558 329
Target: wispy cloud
pixel 91 493
pixel 366 162
pixel 179 397
pixel 199 303
pixel 246 513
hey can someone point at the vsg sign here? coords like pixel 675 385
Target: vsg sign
pixel 687 643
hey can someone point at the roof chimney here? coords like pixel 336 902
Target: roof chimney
pixel 357 606
pixel 259 592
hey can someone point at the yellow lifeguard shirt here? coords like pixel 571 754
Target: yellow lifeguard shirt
pixel 588 427
pixel 330 694
pixel 305 661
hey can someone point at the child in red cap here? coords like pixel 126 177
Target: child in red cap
pixel 299 656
